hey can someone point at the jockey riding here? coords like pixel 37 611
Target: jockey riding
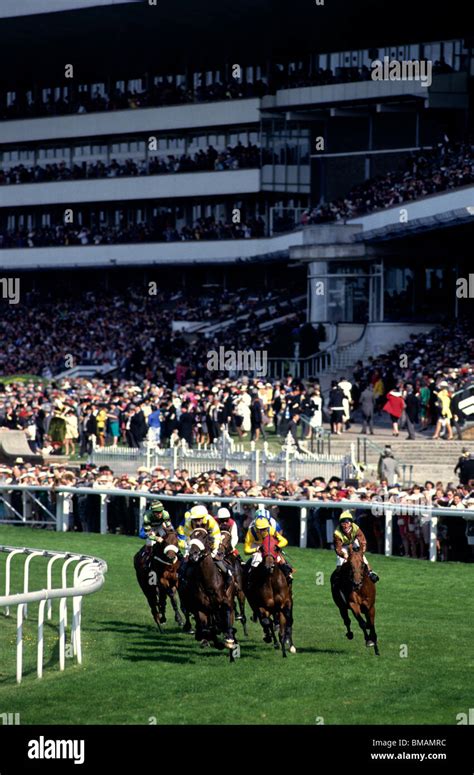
pixel 200 517
pixel 254 540
pixel 226 522
pixel 155 523
pixel 265 513
pixel 349 534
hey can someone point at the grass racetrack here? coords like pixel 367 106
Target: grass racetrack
pixel 133 675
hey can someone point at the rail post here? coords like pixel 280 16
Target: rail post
pixel 103 514
pixel 388 532
pixel 433 538
pixel 303 527
pixel 61 515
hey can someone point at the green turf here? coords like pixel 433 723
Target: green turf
pixel 23 378
pixel 131 674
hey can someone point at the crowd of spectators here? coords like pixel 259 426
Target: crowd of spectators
pixel 443 168
pixel 177 404
pixel 132 329
pixel 166 92
pixel 232 158
pixel 158 95
pixel 161 228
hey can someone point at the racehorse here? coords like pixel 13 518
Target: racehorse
pixel 353 589
pixel 236 565
pixel 270 597
pixel 157 568
pixel 206 597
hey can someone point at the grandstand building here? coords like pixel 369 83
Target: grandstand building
pixel 138 146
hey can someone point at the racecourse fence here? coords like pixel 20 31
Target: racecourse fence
pixel 59 517
pixel 88 577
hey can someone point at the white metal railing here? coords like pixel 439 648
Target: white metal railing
pixel 382 508
pixel 88 577
pixel 224 453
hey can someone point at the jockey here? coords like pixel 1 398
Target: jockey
pixel 264 513
pixel 225 521
pixel 200 517
pixel 349 534
pixel 156 517
pixel 254 540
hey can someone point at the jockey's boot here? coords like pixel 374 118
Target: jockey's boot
pixel 288 571
pixel 226 571
pixel 373 576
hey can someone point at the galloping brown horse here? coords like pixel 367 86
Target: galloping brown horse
pixel 207 598
pixel 157 573
pixel 270 596
pixel 352 589
pixel 236 565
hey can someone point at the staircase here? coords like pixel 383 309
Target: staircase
pixel 433 460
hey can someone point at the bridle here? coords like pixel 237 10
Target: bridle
pixel 201 546
pixel 166 549
pixel 355 584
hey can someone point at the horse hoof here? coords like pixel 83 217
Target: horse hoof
pixel 276 646
pixel 349 635
pixel 229 644
pixel 292 650
pixel 205 644
pixel 267 638
pixel 370 643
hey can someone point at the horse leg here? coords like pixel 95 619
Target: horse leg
pixel 288 613
pixel 371 627
pixel 188 627
pixel 242 617
pixel 150 593
pixel 162 604
pixel 341 603
pixel 267 625
pixel 174 603
pixel 230 639
pixel 282 631
pixel 355 608
pixel 203 633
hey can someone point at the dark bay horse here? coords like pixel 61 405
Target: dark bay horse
pixel 270 596
pixel 236 565
pixel 157 568
pixel 353 590
pixel 206 596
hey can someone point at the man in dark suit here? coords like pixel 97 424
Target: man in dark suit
pixel 367 405
pixel 412 408
pixel 138 427
pixel 186 425
pixel 87 429
pixel 214 419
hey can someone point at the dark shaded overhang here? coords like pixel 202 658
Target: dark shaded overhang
pixel 135 38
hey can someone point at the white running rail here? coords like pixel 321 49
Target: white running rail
pixel 88 577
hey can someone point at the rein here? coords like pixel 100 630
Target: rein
pixel 164 562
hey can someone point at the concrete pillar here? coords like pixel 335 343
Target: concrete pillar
pixel 318 291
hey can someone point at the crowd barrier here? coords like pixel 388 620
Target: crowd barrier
pixel 59 519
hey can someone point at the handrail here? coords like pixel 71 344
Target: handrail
pixel 365 441
pixel 254 499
